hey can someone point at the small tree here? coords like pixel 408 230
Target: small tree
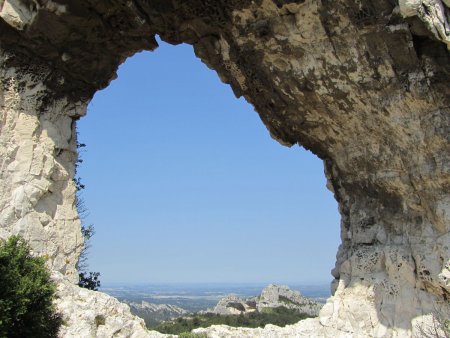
pixel 26 293
pixel 90 281
pixel 87 280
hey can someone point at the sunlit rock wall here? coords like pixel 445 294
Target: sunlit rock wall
pixel 363 84
pixel 37 156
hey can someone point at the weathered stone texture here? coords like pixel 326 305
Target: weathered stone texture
pixel 37 156
pixel 363 84
pixel 94 314
pixel 272 296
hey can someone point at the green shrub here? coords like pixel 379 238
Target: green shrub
pixel 192 335
pixel 280 316
pixel 90 281
pixel 100 320
pixel 26 293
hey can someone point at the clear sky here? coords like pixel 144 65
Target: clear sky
pixel 184 183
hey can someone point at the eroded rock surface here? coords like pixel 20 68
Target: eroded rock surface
pixel 89 313
pixel 37 156
pixel 304 329
pixel 272 296
pixel 233 305
pixel 281 295
pixel 154 314
pixel 362 84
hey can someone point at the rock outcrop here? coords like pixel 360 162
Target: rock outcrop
pixel 362 84
pixel 281 295
pixel 233 305
pixel 272 296
pixel 155 313
pixel 89 313
pixel 306 328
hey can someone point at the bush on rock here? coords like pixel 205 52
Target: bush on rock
pixel 26 293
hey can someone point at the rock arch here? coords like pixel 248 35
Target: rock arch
pixel 362 84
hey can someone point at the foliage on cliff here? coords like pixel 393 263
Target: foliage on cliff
pixel 86 279
pixel 26 293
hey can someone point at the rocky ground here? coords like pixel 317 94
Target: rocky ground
pixel 89 313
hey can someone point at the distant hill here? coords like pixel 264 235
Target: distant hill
pixel 155 313
pixel 272 296
pixel 161 302
pixel 277 305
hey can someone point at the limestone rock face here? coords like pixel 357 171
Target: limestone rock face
pixel 304 329
pixel 37 161
pixel 434 13
pixel 155 313
pixel 89 313
pixel 362 84
pixel 281 295
pixel 272 296
pixel 232 305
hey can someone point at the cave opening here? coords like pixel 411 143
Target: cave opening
pixel 184 184
pixel 365 95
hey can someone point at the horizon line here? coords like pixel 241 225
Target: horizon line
pixel 218 282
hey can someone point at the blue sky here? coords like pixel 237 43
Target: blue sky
pixel 184 183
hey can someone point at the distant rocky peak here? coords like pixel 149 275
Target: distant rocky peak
pixel 272 293
pixel 272 296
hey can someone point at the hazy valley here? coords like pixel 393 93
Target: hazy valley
pixel 158 302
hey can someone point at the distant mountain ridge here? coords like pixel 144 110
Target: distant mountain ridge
pixel 272 296
pixel 155 313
